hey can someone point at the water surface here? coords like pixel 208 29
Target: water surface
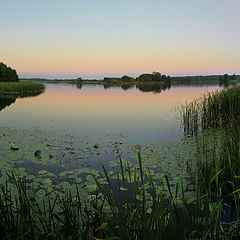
pixel 136 115
pixel 77 129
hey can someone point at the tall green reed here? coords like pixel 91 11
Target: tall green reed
pixel 213 110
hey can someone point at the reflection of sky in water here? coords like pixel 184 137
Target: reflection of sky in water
pixel 94 111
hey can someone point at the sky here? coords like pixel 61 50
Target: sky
pixel 97 38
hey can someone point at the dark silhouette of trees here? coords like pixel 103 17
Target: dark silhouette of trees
pixel 226 79
pixel 154 77
pixel 79 83
pixel 79 79
pixel 7 74
pixel 146 77
pixel 126 78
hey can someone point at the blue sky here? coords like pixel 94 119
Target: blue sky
pixel 60 38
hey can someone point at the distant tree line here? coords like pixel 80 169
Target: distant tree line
pixel 117 80
pixel 8 74
pixel 191 79
pixel 146 77
pixel 206 79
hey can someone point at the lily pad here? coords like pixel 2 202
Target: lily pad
pixel 14 147
pixel 38 153
pixel 42 172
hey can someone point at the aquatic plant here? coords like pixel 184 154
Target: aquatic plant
pixel 151 212
pixel 213 110
pixel 20 87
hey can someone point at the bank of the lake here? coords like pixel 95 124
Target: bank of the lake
pixel 22 87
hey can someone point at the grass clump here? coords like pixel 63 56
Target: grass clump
pixel 214 110
pixel 20 87
pixel 218 168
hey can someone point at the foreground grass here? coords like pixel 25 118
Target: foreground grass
pixel 151 213
pixel 20 87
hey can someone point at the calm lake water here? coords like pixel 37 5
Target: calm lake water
pixel 136 115
pixel 69 132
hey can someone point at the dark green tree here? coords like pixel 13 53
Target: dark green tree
pixel 154 77
pixel 226 79
pixel 7 74
pixel 126 78
pixel 79 79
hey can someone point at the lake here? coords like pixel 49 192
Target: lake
pixel 137 116
pixel 69 132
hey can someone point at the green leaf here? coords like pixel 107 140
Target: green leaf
pixel 38 153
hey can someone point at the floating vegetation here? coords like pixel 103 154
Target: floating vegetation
pixel 64 159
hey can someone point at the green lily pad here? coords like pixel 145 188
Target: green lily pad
pixel 42 172
pixel 38 153
pixel 14 147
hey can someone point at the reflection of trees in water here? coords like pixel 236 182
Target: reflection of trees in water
pixel 224 84
pixel 79 85
pixel 155 88
pixel 127 86
pixel 7 100
pixel 108 85
pixel 123 86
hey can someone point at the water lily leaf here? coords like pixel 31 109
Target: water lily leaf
pixel 30 177
pixel 47 180
pixel 38 153
pixel 42 172
pixel 14 147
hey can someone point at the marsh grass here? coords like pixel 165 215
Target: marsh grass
pixel 214 110
pixel 20 87
pixel 218 167
pixel 215 119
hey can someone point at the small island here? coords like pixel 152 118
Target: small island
pixel 10 84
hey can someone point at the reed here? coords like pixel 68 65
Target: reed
pixel 20 87
pixel 213 110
